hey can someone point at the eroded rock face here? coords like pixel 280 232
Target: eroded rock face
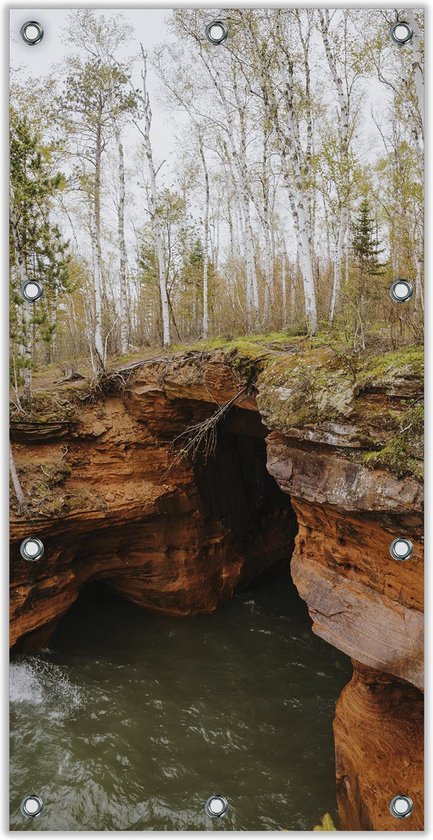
pixel 179 538
pixel 326 477
pixel 378 731
pixel 171 536
pixel 360 600
pixel 359 597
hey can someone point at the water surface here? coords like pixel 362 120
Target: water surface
pixel 131 720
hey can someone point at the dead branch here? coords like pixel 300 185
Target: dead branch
pixel 23 507
pixel 200 439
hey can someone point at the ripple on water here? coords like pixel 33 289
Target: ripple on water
pixel 132 720
pixel 36 680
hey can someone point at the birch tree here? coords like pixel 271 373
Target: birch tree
pixel 95 96
pixel 153 202
pixel 289 143
pixel 227 106
pixel 23 507
pixel 417 61
pixel 124 332
pixel 181 99
pixel 205 322
pixel 343 86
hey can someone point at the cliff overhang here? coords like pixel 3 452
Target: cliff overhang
pixel 114 499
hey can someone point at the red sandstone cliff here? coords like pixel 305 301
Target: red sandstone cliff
pixel 113 500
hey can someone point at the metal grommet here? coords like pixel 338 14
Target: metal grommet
pixel 32 548
pixel 216 32
pixel 401 806
pixel 401 32
pixel 32 32
pixel 216 806
pixel 31 290
pixel 401 549
pixel 31 806
pixel 401 291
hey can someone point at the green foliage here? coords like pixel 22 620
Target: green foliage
pixel 365 243
pixel 403 453
pixel 37 248
pixel 254 342
pixel 147 263
pixel 326 824
pixel 95 94
pixel 35 240
pixel 364 289
pixel 195 258
pixel 388 368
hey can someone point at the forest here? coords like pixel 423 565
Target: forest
pixel 179 191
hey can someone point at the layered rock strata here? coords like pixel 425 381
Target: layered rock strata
pixel 171 536
pixel 116 501
pixel 346 447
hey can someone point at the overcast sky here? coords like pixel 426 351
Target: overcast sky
pixel 149 29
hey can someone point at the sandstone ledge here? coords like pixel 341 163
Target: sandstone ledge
pixel 121 507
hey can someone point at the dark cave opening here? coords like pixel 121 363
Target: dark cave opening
pixel 237 491
pixel 242 526
pixel 238 502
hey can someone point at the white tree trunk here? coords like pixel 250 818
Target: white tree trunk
pixel 239 159
pixel 268 272
pixel 124 331
pixel 417 62
pixel 298 201
pixel 343 129
pixel 305 38
pixel 98 355
pixel 153 211
pixel 419 294
pixel 205 323
pixel 304 253
pixel 251 276
pixel 338 261
pixel 263 209
pixel 21 499
pixel 283 291
pixel 27 307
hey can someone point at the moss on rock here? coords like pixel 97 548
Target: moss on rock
pixel 403 453
pixel 296 390
pixel 389 369
pixel 318 387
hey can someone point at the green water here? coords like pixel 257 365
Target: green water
pixel 131 720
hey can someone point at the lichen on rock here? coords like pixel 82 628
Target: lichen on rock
pixel 299 390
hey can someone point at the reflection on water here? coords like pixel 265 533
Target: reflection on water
pixel 131 720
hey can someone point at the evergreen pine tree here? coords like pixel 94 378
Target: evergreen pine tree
pixel 365 244
pixel 37 249
pixel 366 263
